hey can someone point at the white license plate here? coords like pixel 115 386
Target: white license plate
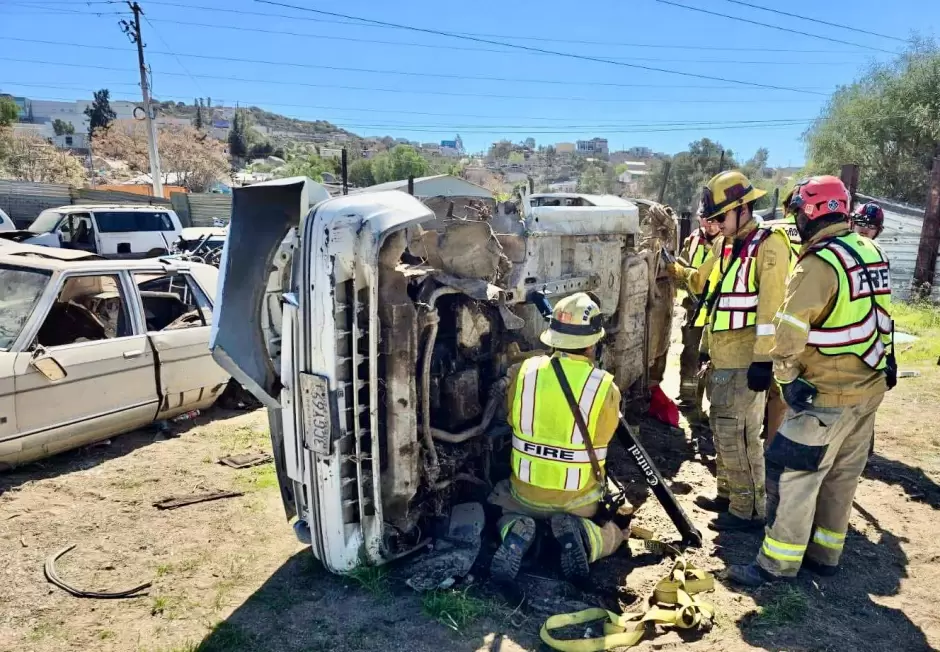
pixel 318 425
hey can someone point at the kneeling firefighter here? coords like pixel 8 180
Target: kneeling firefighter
pixel 563 411
pixel 834 360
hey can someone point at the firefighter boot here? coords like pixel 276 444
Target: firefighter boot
pixel 574 553
pixel 517 536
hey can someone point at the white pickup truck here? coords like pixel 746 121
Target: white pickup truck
pixel 374 329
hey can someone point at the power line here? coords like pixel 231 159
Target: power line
pixel 411 91
pixel 357 109
pixel 535 49
pixel 280 32
pixel 514 37
pixel 181 65
pixel 768 25
pixel 579 126
pixel 790 14
pixel 548 129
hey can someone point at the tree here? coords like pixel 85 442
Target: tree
pixel 100 114
pixel 198 122
pixel 360 173
pixel 29 157
pixel 9 111
pixel 400 163
pixel 310 165
pixel 238 136
pixel 62 128
pixel 689 171
pixel 187 157
pixel 888 122
pixel 593 180
pixel 516 158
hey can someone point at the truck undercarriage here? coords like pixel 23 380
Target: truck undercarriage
pixel 379 335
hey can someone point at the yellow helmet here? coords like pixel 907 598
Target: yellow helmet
pixel 726 191
pixel 576 323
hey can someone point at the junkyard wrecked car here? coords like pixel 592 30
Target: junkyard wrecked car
pixel 91 348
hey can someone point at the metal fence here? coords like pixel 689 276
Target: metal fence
pixel 24 200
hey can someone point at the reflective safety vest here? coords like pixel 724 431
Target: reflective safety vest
pixel 698 249
pixel 859 323
pixel 547 448
pixel 788 224
pixel 735 307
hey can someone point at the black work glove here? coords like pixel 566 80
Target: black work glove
pixel 799 394
pixel 891 371
pixel 759 376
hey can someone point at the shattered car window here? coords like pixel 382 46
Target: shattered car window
pixel 20 289
pixel 88 308
pixel 172 301
pixel 46 222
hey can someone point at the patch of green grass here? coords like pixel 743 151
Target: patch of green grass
pixel 44 630
pixel 166 606
pixel 106 634
pixel 788 606
pixel 923 320
pixel 258 478
pixel 374 579
pixel 164 569
pixel 457 609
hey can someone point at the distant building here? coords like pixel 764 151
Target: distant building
pixel 593 147
pixel 640 152
pixel 331 152
pixel 441 185
pixel 569 185
pixel 76 142
pixel 565 148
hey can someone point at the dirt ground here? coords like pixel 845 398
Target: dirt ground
pixel 229 575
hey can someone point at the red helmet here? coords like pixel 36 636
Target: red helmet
pixel 869 214
pixel 819 196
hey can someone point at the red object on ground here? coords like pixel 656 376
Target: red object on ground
pixel 662 407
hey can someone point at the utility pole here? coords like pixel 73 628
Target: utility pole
pixel 929 237
pixel 133 31
pixel 849 176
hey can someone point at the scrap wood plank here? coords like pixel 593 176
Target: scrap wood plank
pixel 173 502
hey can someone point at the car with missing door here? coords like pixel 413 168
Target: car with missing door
pixel 91 348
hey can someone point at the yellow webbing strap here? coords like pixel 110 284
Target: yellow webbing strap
pixel 625 630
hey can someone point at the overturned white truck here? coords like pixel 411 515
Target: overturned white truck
pixel 374 329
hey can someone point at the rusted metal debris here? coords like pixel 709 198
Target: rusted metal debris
pixel 175 502
pixel 52 575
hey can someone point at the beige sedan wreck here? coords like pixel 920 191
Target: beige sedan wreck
pixel 91 348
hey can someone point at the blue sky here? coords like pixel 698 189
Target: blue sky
pixel 572 98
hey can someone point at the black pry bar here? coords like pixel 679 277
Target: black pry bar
pixel 691 536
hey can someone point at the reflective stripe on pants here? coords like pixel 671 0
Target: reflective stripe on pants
pixel 812 477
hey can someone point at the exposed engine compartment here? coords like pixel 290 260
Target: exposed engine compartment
pixel 457 311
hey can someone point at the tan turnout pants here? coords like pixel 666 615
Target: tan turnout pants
pixel 691 390
pixel 736 417
pixel 604 541
pixel 813 467
pixel 776 413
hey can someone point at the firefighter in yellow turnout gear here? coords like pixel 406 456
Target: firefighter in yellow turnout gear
pixel 552 475
pixel 695 250
pixel 746 282
pixel 834 360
